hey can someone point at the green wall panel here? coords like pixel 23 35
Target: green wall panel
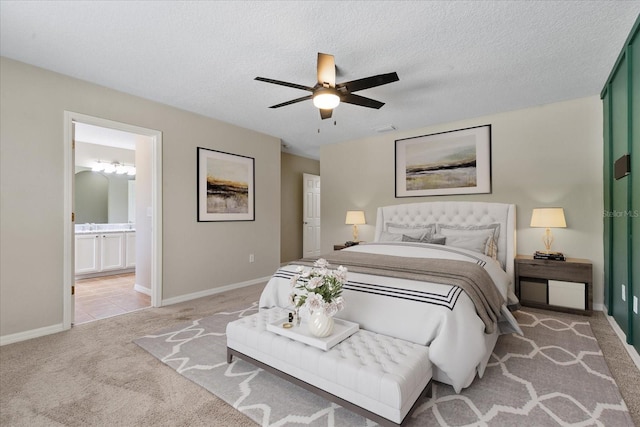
pixel 621 108
pixel 607 173
pixel 620 232
pixel 634 51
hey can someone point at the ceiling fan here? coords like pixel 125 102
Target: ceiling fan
pixel 326 94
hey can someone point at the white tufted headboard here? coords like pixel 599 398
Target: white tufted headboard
pixel 458 213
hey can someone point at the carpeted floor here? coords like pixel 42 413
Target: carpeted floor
pixel 94 375
pixel 553 375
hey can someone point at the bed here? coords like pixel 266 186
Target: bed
pixel 438 274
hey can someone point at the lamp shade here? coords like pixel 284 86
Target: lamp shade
pixel 548 218
pixel 355 218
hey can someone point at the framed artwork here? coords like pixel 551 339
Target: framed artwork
pixel 226 187
pixel 446 163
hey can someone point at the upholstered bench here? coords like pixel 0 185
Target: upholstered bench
pixel 379 377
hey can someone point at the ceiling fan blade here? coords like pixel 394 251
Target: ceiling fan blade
pixel 326 70
pixel 293 101
pixel 350 98
pixel 281 83
pixel 368 82
pixel 325 114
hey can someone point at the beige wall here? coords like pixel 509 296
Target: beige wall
pixel 196 256
pixel 549 155
pixel 291 211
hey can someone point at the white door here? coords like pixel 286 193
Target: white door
pixel 311 215
pixel 112 251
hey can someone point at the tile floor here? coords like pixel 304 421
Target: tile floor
pixel 102 297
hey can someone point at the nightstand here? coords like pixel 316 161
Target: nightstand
pixel 555 285
pixel 342 246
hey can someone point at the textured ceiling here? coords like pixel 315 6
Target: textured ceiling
pixel 455 60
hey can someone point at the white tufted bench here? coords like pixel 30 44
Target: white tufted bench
pixel 374 375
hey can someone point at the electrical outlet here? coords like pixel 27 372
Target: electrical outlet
pixel 624 292
pixel 635 304
pixel 251 258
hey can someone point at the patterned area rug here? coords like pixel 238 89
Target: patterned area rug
pixel 553 375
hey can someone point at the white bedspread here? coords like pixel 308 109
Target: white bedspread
pixel 439 316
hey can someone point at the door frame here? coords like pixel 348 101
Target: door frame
pixel 156 207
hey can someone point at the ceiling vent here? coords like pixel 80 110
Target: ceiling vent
pixel 385 128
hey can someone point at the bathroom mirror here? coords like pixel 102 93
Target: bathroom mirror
pixel 102 198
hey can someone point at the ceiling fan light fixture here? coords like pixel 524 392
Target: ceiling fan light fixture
pixel 326 99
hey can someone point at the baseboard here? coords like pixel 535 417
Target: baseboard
pixel 47 330
pixel 33 333
pixel 630 349
pixel 105 273
pixel 213 291
pixel 142 289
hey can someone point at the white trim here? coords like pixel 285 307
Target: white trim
pixel 141 289
pixel 47 330
pixel 156 206
pixel 156 220
pixel 32 333
pixel 68 269
pixel 633 353
pixel 213 291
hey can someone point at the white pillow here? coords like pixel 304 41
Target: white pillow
pixel 476 243
pixel 390 237
pixel 410 230
pixel 478 238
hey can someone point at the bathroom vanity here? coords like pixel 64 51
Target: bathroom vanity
pixel 102 249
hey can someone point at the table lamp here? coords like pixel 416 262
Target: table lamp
pixel 548 218
pixel 355 218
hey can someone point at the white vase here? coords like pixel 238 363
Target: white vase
pixel 320 324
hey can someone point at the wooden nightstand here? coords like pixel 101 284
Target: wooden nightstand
pixel 555 285
pixel 342 246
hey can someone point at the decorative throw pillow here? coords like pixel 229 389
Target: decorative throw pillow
pixel 479 238
pixel 406 238
pixel 436 239
pixel 427 238
pixel 492 248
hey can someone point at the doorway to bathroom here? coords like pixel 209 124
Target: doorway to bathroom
pixel 113 242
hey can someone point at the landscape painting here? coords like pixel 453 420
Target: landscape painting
pixel 454 162
pixel 225 186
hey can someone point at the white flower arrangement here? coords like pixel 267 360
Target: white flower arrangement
pixel 321 288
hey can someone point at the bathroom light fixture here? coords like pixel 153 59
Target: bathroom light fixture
pixel 117 167
pixel 99 166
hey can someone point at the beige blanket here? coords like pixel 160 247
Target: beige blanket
pixel 472 278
